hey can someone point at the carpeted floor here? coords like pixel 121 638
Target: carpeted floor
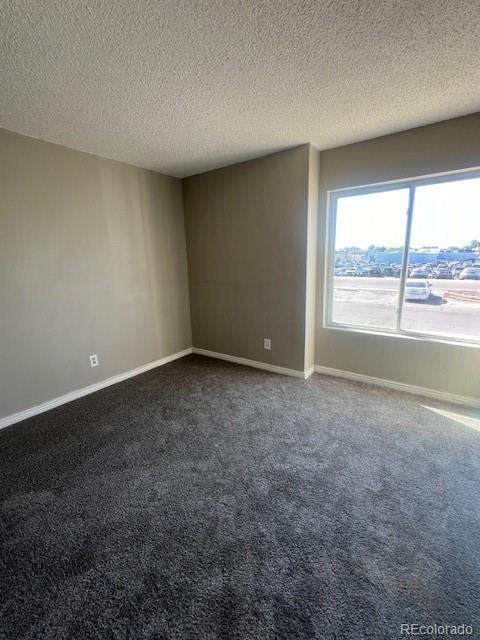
pixel 206 500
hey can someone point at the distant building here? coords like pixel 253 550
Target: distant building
pixel 421 257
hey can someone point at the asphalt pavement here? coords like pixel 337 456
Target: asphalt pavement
pixel 372 302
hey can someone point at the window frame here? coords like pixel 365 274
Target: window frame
pixel 333 195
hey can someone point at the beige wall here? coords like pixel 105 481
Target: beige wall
pixel 450 145
pixel 247 243
pixel 92 260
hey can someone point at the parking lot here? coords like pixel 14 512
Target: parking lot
pixel 373 302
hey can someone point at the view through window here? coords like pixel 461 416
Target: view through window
pixel 406 258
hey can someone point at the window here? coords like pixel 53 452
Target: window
pixel 405 257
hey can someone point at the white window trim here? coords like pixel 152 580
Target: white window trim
pixel 410 183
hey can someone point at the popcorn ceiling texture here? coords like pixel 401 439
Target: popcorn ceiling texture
pixel 183 87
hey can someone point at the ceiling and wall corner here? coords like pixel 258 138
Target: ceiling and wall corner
pixel 211 92
pixel 183 87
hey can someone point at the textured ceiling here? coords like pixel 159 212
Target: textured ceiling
pixel 183 86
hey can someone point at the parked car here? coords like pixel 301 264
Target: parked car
pixel 457 270
pixel 351 271
pixel 470 273
pixel 372 272
pixel 420 272
pixel 417 290
pixel 443 273
pixel 397 271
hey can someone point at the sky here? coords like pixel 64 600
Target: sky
pixel 445 214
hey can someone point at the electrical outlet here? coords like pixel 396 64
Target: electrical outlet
pixel 267 344
pixel 94 360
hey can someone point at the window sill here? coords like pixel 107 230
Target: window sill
pixel 416 337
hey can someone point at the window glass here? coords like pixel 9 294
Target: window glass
pixel 440 295
pixel 369 241
pixel 443 250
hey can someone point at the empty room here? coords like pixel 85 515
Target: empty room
pixel 239 319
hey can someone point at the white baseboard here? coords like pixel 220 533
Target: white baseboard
pixel 401 386
pixel 252 363
pixel 349 375
pixel 85 391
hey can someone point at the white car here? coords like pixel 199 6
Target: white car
pixel 470 273
pixel 417 290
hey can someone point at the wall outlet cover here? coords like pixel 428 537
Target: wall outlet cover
pixel 94 360
pixel 267 343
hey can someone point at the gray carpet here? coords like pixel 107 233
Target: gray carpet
pixel 205 500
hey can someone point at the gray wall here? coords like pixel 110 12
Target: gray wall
pixel 450 145
pixel 92 260
pixel 247 243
